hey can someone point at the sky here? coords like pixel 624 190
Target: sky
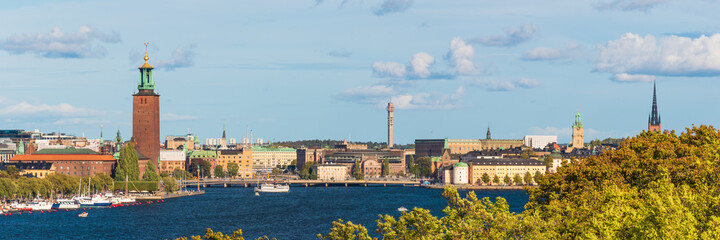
pixel 323 69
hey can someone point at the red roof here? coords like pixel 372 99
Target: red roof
pixel 62 157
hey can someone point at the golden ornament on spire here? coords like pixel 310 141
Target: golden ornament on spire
pixel 146 65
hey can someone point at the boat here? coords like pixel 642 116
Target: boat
pixel 402 209
pixel 35 205
pixel 257 194
pixel 83 214
pixel 66 204
pixel 100 201
pixel 269 187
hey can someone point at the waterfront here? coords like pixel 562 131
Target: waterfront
pixel 300 214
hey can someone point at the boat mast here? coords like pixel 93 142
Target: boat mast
pixel 126 185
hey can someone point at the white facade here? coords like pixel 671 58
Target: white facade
pixel 268 158
pixel 172 155
pixel 331 172
pixel 218 141
pixel 537 141
pixel 460 175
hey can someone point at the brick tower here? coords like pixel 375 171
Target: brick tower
pixel 654 118
pixel 146 116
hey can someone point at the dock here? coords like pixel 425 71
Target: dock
pixel 171 195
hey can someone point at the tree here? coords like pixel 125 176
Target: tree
pixel 306 172
pixel 233 169
pixel 164 174
pixel 486 178
pixel 386 167
pixel 150 172
pixel 496 179
pixel 127 164
pixel 517 179
pixel 12 171
pixel 528 178
pixel 548 160
pixel 411 165
pixel 537 176
pixel 424 167
pixel 170 184
pixel 181 174
pixel 348 231
pixel 219 172
pixel 357 171
pixel 205 167
pixel 507 179
pixel 524 155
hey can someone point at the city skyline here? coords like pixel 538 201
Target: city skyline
pixel 327 69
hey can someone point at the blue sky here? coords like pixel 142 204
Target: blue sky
pixel 325 69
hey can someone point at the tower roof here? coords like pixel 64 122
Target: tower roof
pixel 390 107
pixel 578 120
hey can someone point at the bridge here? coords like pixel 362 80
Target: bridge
pixel 300 183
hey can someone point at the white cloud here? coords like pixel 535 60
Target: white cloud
pixel 368 94
pixel 624 77
pixel 569 51
pixel 627 5
pixel 181 58
pixel 501 86
pixel 389 69
pixel 62 109
pixel 176 117
pixel 435 101
pixel 392 6
pixel 511 38
pixel 633 54
pixel 57 44
pixel 460 58
pixel 421 63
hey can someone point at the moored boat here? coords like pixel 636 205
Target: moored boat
pixel 66 204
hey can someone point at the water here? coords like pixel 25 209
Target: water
pixel 300 214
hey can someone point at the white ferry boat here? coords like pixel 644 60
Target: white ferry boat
pixel 269 187
pixel 32 206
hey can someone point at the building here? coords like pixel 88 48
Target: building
pixel 200 155
pixel 390 109
pixel 654 118
pixel 502 167
pixel 350 146
pixel 310 155
pixel 31 169
pixel 371 161
pixel 267 158
pixel 171 160
pixel 460 174
pixel 146 116
pixel 435 147
pixel 73 162
pixel 8 149
pixel 577 135
pixel 331 172
pixel 177 141
pixel 536 141
pixel 242 157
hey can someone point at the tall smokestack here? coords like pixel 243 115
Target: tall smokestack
pixel 390 109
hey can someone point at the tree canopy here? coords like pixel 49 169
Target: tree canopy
pixel 127 165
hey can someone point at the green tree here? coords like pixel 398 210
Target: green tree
pixel 357 171
pixel 171 185
pixel 524 155
pixel 496 179
pixel 233 169
pixel 12 171
pixel 507 179
pixel 181 174
pixel 164 174
pixel 411 165
pixel 517 179
pixel 127 164
pixel 424 167
pixel 150 172
pixel 205 167
pixel 538 175
pixel 548 160
pixel 528 178
pixel 486 178
pixel 219 172
pixel 386 167
pixel 346 231
pixel 306 172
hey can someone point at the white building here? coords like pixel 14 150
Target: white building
pixel 218 141
pixel 171 159
pixel 537 141
pixel 267 158
pixel 460 174
pixel 329 172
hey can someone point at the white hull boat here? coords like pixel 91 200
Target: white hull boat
pixel 267 187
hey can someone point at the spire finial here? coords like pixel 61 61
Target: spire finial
pixel 146 56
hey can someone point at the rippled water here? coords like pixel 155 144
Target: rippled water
pixel 300 214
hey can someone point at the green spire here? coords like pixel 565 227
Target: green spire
pixel 578 123
pixel 118 138
pixel 21 147
pixel 146 82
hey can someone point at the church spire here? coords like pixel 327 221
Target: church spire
pixel 654 117
pixel 488 133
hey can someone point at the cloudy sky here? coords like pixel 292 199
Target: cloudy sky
pixel 307 69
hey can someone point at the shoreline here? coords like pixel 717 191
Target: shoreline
pixel 172 195
pixel 468 187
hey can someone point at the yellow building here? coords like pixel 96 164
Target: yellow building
pixel 242 157
pixel 330 172
pixel 171 159
pixel 35 169
pixel 503 167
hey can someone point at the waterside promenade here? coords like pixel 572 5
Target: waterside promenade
pixel 300 183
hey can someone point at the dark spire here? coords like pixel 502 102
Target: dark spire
pixel 654 118
pixel 488 133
